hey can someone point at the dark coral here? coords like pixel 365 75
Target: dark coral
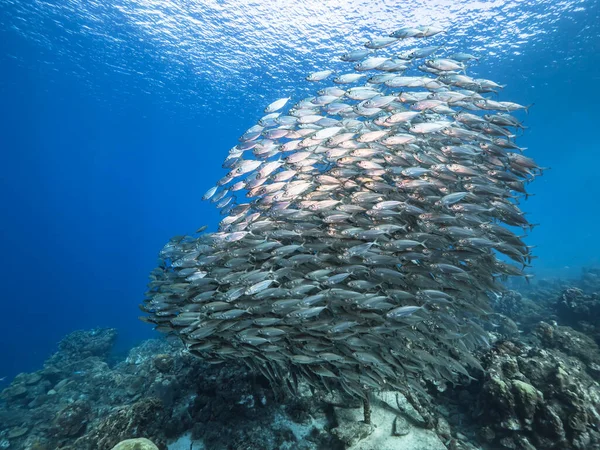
pixel 72 419
pixel 141 419
pixel 520 309
pixel 533 397
pixel 79 402
pixel 82 344
pixel 580 311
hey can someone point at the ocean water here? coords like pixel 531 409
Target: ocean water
pixel 116 116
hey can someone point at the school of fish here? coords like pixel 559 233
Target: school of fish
pixel 377 217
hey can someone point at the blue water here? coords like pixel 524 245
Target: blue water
pixel 116 116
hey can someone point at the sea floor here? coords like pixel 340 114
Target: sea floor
pixel 539 390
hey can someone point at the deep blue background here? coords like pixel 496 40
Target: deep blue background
pixel 94 181
pixel 90 193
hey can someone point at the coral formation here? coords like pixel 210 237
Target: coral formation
pixel 158 392
pixel 537 395
pixel 538 390
pixel 135 444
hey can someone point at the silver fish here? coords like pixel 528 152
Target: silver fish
pixel 360 220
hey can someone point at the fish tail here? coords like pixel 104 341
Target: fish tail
pixel 528 277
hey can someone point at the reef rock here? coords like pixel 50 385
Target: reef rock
pixel 522 309
pixel 145 417
pixel 159 391
pixel 135 444
pixel 395 424
pixel 72 419
pixel 580 310
pixel 82 344
pixel 535 398
pixel 539 392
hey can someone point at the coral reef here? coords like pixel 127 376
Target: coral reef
pixel 135 444
pixel 522 310
pixel 540 396
pixel 160 392
pixel 575 303
pixel 580 310
pixel 538 390
pixel 79 402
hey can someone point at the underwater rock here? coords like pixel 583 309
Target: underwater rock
pixel 145 417
pixel 164 363
pixel 534 398
pixel 538 394
pixel 32 379
pixel 75 392
pixel 231 401
pixel 527 399
pixel 14 392
pixel 443 429
pixel 351 432
pixel 83 344
pixel 522 310
pixel 580 310
pixel 569 341
pixel 72 419
pixel 158 391
pixel 400 427
pixel 135 444
pixel 17 432
pixel 391 427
